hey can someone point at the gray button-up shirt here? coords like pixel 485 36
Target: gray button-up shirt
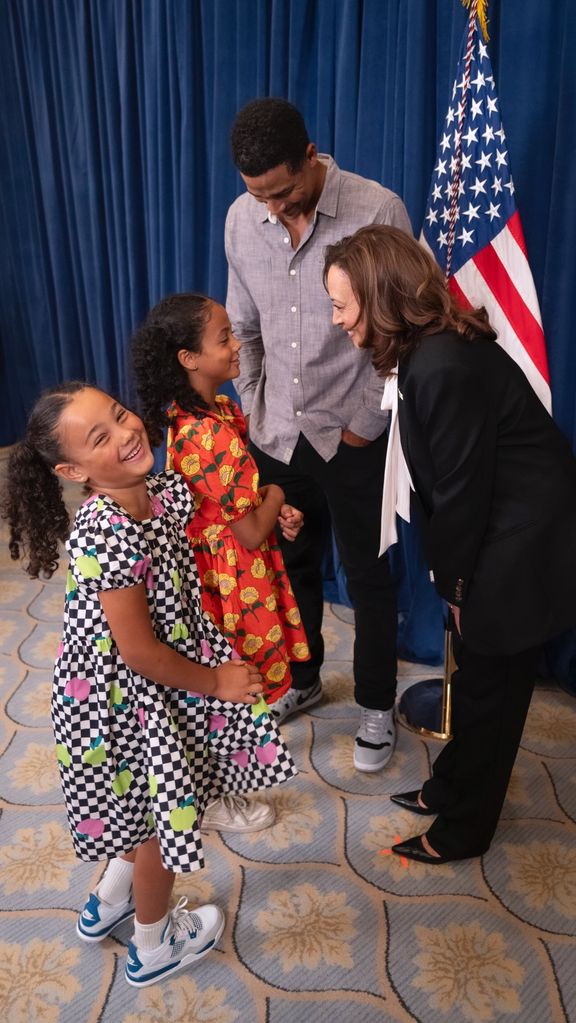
pixel 299 373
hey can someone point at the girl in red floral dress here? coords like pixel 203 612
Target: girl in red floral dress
pixel 182 354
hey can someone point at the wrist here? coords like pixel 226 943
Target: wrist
pixel 205 681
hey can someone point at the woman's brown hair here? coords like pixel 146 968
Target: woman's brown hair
pixel 401 293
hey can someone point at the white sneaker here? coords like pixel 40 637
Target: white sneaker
pixel 375 739
pixel 187 937
pixel 237 814
pixel 295 700
pixel 98 918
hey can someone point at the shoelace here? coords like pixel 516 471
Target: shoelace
pixel 373 726
pixel 234 802
pixel 184 920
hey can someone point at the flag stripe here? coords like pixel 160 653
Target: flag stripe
pixel 515 309
pixel 515 226
pixel 476 292
pixel 516 263
pixel 456 290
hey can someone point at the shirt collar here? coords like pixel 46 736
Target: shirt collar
pixel 328 201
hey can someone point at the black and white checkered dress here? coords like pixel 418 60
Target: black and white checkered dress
pixel 139 759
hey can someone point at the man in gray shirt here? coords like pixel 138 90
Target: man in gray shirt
pixel 311 398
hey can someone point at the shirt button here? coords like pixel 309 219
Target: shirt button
pixel 295 380
pixel 292 273
pixel 294 344
pixel 293 309
pixel 298 413
pixel 286 240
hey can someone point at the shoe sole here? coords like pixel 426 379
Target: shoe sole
pixel 194 957
pixel 226 829
pixel 92 938
pixel 372 768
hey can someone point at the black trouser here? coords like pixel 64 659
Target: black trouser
pixel 350 486
pixel 490 700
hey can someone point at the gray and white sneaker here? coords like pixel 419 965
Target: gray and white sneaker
pixel 295 700
pixel 375 739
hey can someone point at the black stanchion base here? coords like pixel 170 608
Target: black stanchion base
pixel 420 708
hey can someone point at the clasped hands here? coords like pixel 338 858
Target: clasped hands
pixel 290 521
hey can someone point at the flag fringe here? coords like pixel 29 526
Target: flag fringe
pixel 481 12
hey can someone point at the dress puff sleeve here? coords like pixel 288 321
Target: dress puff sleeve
pixel 213 459
pixel 107 549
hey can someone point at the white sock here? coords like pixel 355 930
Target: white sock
pixel 149 936
pixel 116 883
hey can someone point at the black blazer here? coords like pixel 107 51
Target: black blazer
pixel 495 485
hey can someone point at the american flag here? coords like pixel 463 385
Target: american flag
pixel 472 225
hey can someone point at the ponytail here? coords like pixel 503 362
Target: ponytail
pixel 32 500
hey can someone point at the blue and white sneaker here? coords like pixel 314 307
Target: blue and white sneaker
pixel 187 937
pixel 98 918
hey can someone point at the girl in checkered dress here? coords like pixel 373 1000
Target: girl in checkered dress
pixel 153 716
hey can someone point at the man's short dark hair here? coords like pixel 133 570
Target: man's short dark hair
pixel 266 133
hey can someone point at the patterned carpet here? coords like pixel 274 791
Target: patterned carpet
pixel 322 922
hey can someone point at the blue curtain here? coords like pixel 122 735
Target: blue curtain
pixel 116 176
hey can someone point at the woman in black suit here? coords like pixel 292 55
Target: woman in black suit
pixel 495 494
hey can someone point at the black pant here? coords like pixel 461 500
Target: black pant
pixel 350 487
pixel 490 700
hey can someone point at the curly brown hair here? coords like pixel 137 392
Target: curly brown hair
pixel 177 322
pixel 401 293
pixel 32 500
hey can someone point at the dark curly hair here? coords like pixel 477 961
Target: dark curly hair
pixel 32 499
pixel 266 133
pixel 176 322
pixel 401 292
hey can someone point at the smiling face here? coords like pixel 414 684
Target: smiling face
pixel 345 306
pixel 289 194
pixel 218 359
pixel 106 445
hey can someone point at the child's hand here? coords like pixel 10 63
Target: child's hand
pixel 290 521
pixel 238 682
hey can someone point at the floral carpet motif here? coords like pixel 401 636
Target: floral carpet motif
pixel 322 921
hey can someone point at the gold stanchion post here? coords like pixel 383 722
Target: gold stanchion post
pixel 436 689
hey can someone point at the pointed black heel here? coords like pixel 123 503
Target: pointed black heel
pixel 409 801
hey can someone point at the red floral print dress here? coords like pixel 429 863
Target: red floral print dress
pixel 247 594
